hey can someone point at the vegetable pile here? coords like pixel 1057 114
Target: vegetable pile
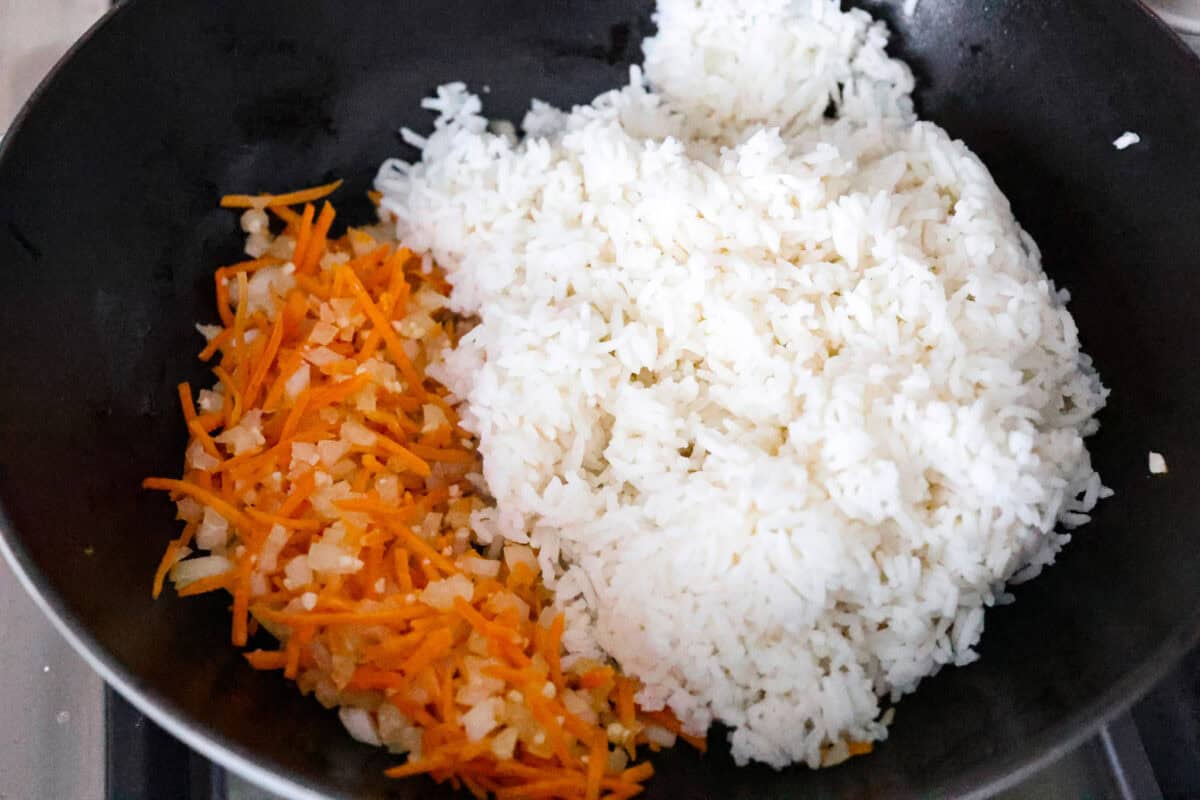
pixel 330 490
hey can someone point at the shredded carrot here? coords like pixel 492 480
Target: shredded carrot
pixel 384 327
pixel 860 748
pixel 596 677
pixel 241 603
pixel 371 678
pixel 217 342
pixel 344 518
pixel 316 245
pixel 223 304
pixel 169 557
pixel 267 659
pixel 374 507
pixel 421 547
pixel 165 564
pixel 667 720
pixel 411 460
pixel 332 619
pixel 209 421
pixel 273 200
pixel 291 218
pixel 265 363
pixel 286 522
pixel 490 629
pixel 295 415
pixel 185 401
pixel 233 396
pixel 201 495
pixel 443 454
pixel 287 369
pixel 372 557
pixel 416 767
pixel 624 702
pixel 242 313
pixel 403 569
pixel 209 584
pixel 253 265
pixel 436 645
pixel 304 235
pixel 597 761
pixel 203 438
pixel 446 701
pixel 553 647
pixel 293 649
pixel 302 489
pixel 336 393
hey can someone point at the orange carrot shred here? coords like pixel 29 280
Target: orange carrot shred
pixel 624 701
pixel 216 343
pixel 383 617
pixel 273 200
pixel 265 363
pixel 203 438
pixel 385 330
pixel 414 462
pixel 860 748
pixel 422 548
pixel 211 583
pixel 288 367
pixel 638 774
pixel 233 396
pixel 241 602
pixel 293 650
pixel 291 218
pixel 442 454
pixel 223 303
pixel 203 496
pixel 597 761
pixel 267 659
pixel 160 574
pixel 436 645
pixel 596 677
pixel 316 244
pixel 415 768
pixel 303 234
pixel 185 401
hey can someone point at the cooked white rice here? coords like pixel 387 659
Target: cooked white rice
pixel 1126 140
pixel 782 399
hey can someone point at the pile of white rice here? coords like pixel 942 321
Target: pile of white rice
pixel 765 369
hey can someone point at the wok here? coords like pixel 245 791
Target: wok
pixel 109 233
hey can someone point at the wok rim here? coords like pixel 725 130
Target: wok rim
pixel 987 779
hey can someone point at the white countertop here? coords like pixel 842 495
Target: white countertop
pixel 51 707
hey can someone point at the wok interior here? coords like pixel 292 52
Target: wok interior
pixel 109 233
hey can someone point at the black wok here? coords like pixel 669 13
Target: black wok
pixel 109 233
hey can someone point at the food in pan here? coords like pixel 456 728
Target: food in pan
pixel 753 373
